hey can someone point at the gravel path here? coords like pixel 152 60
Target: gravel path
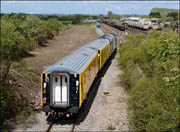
pixel 107 110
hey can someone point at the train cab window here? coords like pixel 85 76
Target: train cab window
pixel 56 79
pixel 66 79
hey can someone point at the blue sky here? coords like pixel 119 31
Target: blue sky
pixel 85 7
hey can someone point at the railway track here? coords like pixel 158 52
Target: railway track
pixel 135 30
pixel 56 127
pixel 109 29
pixel 68 124
pixel 63 124
pixel 119 32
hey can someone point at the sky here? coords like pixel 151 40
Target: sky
pixel 85 7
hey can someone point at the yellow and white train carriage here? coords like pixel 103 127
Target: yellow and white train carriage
pixel 65 85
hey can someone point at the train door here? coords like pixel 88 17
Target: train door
pixel 57 89
pixel 60 90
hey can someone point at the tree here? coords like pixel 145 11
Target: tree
pixel 113 16
pixel 146 16
pixel 173 15
pixel 169 19
pixel 155 14
pixel 160 20
pixel 20 33
pixel 116 16
pixel 110 15
pixel 101 17
pixel 76 19
pixel 13 45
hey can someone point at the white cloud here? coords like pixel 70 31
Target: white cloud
pixel 8 2
pixel 92 7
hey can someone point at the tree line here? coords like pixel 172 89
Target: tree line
pixel 170 17
pixel 110 15
pixel 74 19
pixel 20 34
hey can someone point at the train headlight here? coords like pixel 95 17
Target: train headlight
pixel 77 85
pixel 44 100
pixel 44 85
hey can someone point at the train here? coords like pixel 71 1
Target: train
pixel 137 23
pixel 143 23
pixel 154 24
pixel 121 25
pixel 65 84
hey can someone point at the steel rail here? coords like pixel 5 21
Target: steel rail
pixel 51 126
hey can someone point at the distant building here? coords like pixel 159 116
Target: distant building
pixel 89 20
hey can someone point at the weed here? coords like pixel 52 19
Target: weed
pixel 111 127
pixel 154 98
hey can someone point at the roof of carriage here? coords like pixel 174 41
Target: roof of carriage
pixel 78 59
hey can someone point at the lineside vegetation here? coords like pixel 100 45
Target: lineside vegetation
pixel 20 34
pixel 152 76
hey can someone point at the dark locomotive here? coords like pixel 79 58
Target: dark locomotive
pixel 121 25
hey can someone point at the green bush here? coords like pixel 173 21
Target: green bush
pixel 154 99
pixel 111 127
pixel 20 33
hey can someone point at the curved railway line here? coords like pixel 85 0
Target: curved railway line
pixel 54 125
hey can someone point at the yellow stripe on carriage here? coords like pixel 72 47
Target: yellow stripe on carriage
pixel 80 90
pixel 41 90
pixel 80 80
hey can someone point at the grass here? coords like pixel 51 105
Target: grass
pixel 111 127
pixel 14 97
pixel 26 117
pixel 154 99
